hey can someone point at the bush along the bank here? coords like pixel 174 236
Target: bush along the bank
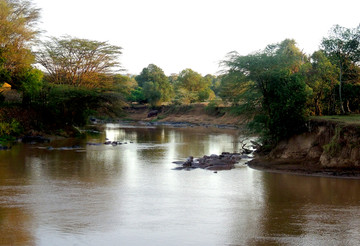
pixel 63 105
pixel 9 130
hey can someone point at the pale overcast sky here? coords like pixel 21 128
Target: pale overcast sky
pixel 196 34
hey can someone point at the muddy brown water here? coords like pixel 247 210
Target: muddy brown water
pixel 129 194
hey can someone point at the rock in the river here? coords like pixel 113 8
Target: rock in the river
pixel 225 161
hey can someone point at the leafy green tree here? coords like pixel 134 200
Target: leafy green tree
pixel 124 84
pixel 192 87
pixel 321 78
pixel 343 48
pixel 274 76
pixel 79 62
pixel 155 85
pixel 152 93
pixel 215 83
pixel 173 78
pixel 137 95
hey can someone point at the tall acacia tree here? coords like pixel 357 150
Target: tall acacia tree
pixel 78 62
pixel 18 20
pixel 343 48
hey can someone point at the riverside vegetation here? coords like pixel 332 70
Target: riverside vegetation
pixel 277 88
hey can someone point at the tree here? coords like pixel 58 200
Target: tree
pixel 155 85
pixel 274 76
pixel 124 84
pixel 215 83
pixel 343 48
pixel 321 77
pixel 192 87
pixel 18 21
pixel 79 62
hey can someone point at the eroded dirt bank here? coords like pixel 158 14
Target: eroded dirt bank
pixel 325 149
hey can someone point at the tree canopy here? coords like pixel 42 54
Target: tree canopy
pixel 191 87
pixel 273 75
pixel 156 87
pixel 78 62
pixel 342 46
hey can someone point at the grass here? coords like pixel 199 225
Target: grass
pixel 347 119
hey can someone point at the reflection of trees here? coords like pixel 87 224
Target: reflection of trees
pixel 12 164
pixel 202 141
pixel 15 227
pixel 296 207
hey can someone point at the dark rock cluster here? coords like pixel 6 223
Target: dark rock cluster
pixel 225 161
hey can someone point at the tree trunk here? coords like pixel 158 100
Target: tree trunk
pixel 340 85
pixel 348 106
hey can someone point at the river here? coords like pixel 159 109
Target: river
pixel 130 194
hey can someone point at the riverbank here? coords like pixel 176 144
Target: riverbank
pixel 301 167
pixel 328 148
pixel 194 114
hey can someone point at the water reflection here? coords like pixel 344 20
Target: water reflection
pixel 129 195
pixel 309 211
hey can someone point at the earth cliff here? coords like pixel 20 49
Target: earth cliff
pixel 326 148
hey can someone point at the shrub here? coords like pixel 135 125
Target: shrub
pixel 10 128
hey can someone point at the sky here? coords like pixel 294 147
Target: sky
pixel 195 34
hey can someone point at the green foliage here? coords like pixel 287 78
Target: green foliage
pixel 32 81
pixel 9 128
pixel 137 95
pixel 152 93
pixel 67 105
pixel 155 85
pixel 321 79
pixel 269 83
pixel 79 62
pixel 285 105
pixel 191 87
pixel 17 30
pixel 124 84
pixel 343 48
